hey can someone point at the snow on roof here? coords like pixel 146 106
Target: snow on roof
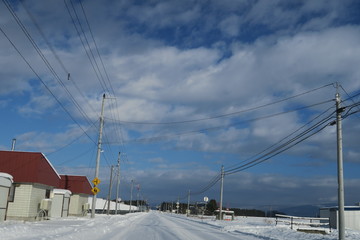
pixel 6 175
pixel 62 191
pixel 5 179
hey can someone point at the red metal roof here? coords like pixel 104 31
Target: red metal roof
pixel 29 167
pixel 76 184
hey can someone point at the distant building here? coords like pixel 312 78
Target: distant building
pixel 34 179
pixel 80 188
pixel 351 216
pixel 101 206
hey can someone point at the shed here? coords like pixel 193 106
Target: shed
pixel 5 185
pixel 351 216
pixel 226 215
pixel 81 189
pixel 60 203
pixel 34 179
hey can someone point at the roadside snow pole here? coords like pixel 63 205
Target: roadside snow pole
pixel 98 156
pixel 339 110
pixel 221 192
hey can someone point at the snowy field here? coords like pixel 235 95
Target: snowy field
pixel 155 225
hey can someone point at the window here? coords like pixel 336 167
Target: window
pixel 11 195
pixel 47 193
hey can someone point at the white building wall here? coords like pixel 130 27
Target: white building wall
pixel 352 220
pixel 76 204
pixel 351 217
pixel 19 208
pixel 38 192
pixel 26 202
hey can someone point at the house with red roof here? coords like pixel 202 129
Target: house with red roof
pixel 80 188
pixel 34 179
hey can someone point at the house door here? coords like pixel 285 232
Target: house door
pixel 65 210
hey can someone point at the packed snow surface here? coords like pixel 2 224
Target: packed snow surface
pixel 156 225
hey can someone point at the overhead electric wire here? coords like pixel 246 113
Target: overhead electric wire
pixel 47 88
pixel 38 27
pixel 68 144
pixel 283 139
pixel 229 114
pixel 165 137
pixel 350 97
pixel 42 56
pixel 212 182
pixel 317 127
pixel 83 44
pixel 48 65
pixel 102 81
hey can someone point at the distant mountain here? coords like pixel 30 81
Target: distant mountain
pixel 305 210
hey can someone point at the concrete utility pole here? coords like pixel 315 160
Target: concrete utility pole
pixel 131 191
pixel 137 196
pixel 117 185
pixel 98 154
pixel 341 201
pixel 110 187
pixel 221 192
pixel 188 205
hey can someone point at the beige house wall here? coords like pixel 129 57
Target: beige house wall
pixel 76 204
pixel 27 199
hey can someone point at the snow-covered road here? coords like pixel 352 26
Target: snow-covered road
pixel 157 225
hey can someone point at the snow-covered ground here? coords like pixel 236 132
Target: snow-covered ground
pixel 155 225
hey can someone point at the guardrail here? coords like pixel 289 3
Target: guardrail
pixel 305 221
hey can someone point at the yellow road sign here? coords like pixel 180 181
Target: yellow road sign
pixel 95 190
pixel 96 181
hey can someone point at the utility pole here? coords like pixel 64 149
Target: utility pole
pixel 117 184
pixel 188 205
pixel 110 187
pixel 98 154
pixel 137 196
pixel 131 191
pixel 221 192
pixel 340 173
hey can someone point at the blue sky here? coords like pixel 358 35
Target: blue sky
pixel 191 86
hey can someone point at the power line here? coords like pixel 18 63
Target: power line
pixel 93 61
pixel 48 65
pixel 165 137
pixel 47 88
pixel 229 114
pixel 52 49
pixel 317 127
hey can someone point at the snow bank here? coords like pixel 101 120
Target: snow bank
pixel 102 205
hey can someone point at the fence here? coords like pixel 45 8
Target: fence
pixel 303 221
